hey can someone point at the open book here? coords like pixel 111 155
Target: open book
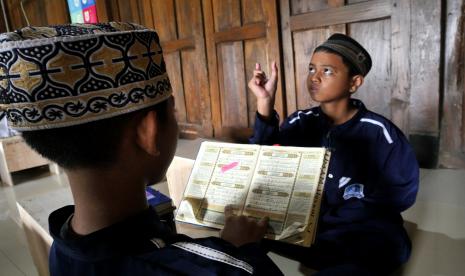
pixel 282 183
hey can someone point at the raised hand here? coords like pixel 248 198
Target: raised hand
pixel 264 88
pixel 240 230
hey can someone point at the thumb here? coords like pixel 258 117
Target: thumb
pixel 263 222
pixel 257 66
pixel 274 70
pixel 228 211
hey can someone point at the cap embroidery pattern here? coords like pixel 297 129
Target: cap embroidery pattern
pixel 66 75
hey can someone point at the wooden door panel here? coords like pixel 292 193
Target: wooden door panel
pixel 52 12
pixel 299 7
pixel 195 80
pixel 254 53
pixel 375 37
pixel 425 60
pixel 253 12
pixel 167 34
pixel 230 56
pixel 304 43
pixel 452 141
pixel 239 34
pixel 180 27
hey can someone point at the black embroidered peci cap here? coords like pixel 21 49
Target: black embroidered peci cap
pixel 351 50
pixel 67 75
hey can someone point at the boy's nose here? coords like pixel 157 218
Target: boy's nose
pixel 315 77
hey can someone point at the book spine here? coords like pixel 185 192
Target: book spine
pixel 312 229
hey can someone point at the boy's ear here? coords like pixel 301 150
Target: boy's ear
pixel 355 83
pixel 146 133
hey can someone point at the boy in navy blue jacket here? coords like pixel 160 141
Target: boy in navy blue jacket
pixel 96 99
pixel 373 172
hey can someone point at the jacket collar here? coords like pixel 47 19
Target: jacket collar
pixel 327 124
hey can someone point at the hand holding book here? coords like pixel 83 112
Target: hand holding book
pixel 240 230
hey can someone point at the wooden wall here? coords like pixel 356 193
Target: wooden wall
pixel 211 46
pixel 452 146
pixel 38 12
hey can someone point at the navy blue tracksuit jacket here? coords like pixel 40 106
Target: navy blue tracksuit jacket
pixel 142 245
pixel 372 177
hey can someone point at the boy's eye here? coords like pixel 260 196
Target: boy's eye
pixel 311 70
pixel 328 71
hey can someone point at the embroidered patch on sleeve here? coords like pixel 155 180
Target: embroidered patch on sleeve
pixel 353 190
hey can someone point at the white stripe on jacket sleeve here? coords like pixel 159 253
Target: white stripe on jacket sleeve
pixel 214 254
pixel 386 133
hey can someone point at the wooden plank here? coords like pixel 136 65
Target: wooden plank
pixel 4 173
pixel 190 131
pixel 114 10
pixel 255 50
pixel 251 31
pixel 339 28
pixel 375 36
pixel 400 68
pixel 304 44
pixel 103 11
pixel 425 65
pixel 19 155
pixel 57 12
pixel 346 14
pixel 135 15
pixel 299 6
pixel 4 20
pixel 35 18
pixel 274 51
pixel 287 66
pixel 452 125
pixel 128 11
pixel 163 14
pixel 227 15
pixel 38 239
pixel 195 65
pixel 210 44
pixel 15 15
pixel 145 10
pixel 178 45
pixel 189 23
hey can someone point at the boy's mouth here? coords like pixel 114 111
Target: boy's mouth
pixel 314 88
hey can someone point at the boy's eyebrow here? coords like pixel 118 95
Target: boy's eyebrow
pixel 326 65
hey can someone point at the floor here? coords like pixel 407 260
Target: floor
pixel 436 223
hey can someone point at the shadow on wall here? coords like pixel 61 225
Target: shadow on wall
pixel 426 150
pixel 433 254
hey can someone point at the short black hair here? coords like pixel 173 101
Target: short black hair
pixel 90 145
pixel 353 71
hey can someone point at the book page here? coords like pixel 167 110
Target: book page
pixel 221 176
pixel 283 188
pixel 282 183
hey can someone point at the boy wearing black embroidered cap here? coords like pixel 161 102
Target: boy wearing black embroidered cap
pixel 97 100
pixel 373 172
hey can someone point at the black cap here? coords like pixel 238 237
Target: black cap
pixel 350 49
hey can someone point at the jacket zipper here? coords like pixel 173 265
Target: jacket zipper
pixel 328 141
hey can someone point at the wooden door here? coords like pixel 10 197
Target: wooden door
pixel 180 27
pixel 452 147
pixel 238 34
pixel 35 13
pixel 382 26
